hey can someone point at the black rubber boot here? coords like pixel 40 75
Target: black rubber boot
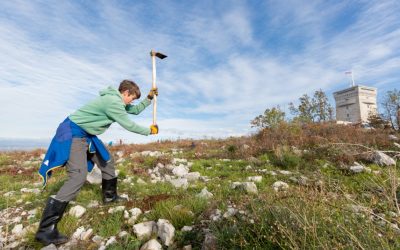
pixel 110 191
pixel 52 214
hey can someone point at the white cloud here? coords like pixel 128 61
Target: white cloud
pixel 224 67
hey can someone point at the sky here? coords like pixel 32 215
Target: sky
pixel 227 60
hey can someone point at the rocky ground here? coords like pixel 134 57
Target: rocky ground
pixel 189 198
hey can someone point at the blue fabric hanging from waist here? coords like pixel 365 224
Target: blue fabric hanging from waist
pixel 58 152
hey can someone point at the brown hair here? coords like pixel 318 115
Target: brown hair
pixel 131 86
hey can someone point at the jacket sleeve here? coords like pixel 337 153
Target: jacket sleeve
pixel 116 112
pixel 136 109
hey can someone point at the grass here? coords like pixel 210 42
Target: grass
pixel 314 215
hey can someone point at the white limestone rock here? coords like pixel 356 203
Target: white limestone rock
pixel 86 234
pixel 255 178
pixel 97 239
pixel 49 247
pixel 78 232
pixel 151 245
pixel 179 183
pixel 77 211
pixel 230 212
pixel 17 230
pixel 216 216
pixel 285 172
pixel 192 176
pixel 250 187
pixel 205 194
pixel 280 186
pixel 187 229
pixel 30 190
pixel 180 170
pixel 111 241
pixel 145 229
pixel 357 168
pixel 116 209
pixel 95 176
pixel 210 242
pixel 166 231
pixel 123 234
pixel 383 159
pixel 135 213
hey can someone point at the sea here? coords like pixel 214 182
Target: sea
pixel 23 144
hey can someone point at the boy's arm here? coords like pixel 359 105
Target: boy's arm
pixel 136 109
pixel 116 112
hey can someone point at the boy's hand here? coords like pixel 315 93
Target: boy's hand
pixel 154 129
pixel 153 91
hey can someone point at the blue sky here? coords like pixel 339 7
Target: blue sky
pixel 227 60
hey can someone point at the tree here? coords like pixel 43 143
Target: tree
pixel 315 109
pixel 270 119
pixel 391 105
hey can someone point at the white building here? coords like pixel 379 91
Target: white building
pixel 355 104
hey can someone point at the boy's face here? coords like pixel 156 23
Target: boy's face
pixel 127 97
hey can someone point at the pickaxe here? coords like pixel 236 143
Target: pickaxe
pixel 153 55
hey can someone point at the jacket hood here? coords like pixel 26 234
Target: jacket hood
pixel 110 91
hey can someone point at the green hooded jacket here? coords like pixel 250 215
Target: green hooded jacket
pixel 98 115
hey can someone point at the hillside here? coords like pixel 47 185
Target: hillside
pixel 321 186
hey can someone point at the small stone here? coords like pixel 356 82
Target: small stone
pixel 205 194
pixel 231 212
pixel 87 234
pixel 216 216
pixel 32 190
pixel 94 177
pixel 250 187
pixel 187 247
pixel 32 212
pixel 49 247
pixel 280 186
pixel 78 232
pixel 116 209
pixel 180 183
pixel 192 176
pixel 210 242
pixel 357 168
pixel 145 229
pixel 235 184
pixel 166 231
pixel 135 213
pixel 93 204
pixel 126 214
pixel 285 172
pixel 187 229
pixel 255 178
pixel 151 245
pixel 17 230
pixel 123 234
pixel 97 239
pixel 77 211
pixel 180 170
pixel 111 241
pixel 383 159
pixel 248 167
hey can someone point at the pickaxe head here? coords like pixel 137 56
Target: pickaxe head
pixel 157 54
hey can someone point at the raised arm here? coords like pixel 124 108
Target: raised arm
pixel 136 109
pixel 116 112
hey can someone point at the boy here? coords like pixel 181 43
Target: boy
pixel 77 147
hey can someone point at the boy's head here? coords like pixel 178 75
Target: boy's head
pixel 129 91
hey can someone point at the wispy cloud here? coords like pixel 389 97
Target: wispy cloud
pixel 227 62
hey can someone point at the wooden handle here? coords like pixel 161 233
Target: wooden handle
pixel 153 59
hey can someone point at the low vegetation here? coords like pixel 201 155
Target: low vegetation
pixel 325 206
